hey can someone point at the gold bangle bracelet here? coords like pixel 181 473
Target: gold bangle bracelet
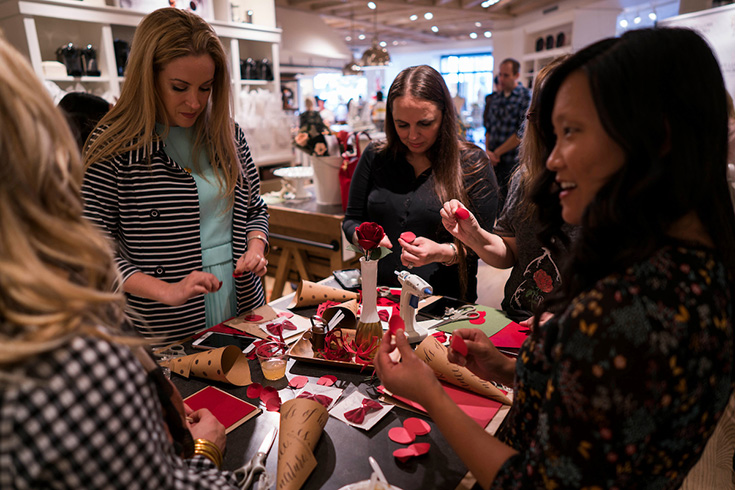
pixel 262 239
pixel 209 450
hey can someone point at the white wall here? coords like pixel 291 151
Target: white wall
pixel 307 40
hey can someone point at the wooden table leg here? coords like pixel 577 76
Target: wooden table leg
pixel 284 267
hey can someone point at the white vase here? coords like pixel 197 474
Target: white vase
pixel 369 328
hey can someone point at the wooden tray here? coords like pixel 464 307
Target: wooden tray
pixel 302 351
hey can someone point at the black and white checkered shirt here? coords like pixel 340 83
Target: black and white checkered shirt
pixel 84 417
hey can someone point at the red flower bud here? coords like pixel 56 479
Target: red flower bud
pixel 369 235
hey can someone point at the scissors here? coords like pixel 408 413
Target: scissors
pixel 246 474
pixel 464 312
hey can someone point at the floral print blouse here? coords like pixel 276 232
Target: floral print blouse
pixel 623 389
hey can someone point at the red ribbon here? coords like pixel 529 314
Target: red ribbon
pixel 357 415
pixel 323 399
pixel 277 327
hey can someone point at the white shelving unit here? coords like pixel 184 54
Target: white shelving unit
pixel 37 28
pixel 580 28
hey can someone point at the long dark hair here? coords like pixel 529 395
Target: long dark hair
pixel 660 95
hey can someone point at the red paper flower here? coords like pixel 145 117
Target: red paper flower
pixel 543 281
pixel 369 235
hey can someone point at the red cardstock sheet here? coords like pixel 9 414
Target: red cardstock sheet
pixel 511 336
pixel 228 409
pixel 480 409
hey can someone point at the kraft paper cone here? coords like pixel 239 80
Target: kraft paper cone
pixel 433 353
pixel 349 308
pixel 227 364
pixel 312 294
pixel 302 423
pixel 250 322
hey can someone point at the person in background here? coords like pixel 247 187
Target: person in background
pixel 169 177
pixel 326 114
pixel 378 112
pixel 78 407
pixel 513 241
pixel 310 122
pixel 623 387
pixel 83 111
pixel 402 182
pixel 505 115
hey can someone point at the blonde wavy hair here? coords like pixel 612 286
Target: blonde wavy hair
pixel 57 271
pixel 163 36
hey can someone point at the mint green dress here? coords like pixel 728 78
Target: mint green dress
pixel 215 218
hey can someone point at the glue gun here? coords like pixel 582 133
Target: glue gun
pixel 413 288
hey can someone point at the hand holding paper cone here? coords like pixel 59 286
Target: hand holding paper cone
pixel 312 294
pixel 226 364
pixel 433 353
pixel 302 423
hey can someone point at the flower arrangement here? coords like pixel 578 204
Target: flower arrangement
pixel 321 144
pixel 368 236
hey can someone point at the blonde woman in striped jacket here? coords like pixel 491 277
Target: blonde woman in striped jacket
pixel 169 177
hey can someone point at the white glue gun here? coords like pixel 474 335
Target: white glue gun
pixel 413 288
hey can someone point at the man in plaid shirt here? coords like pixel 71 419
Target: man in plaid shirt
pixel 506 114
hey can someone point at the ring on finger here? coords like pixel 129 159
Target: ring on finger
pixel 409 266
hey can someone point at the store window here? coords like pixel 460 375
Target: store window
pixel 469 78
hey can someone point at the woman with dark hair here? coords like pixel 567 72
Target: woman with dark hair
pixel 401 184
pixel 624 385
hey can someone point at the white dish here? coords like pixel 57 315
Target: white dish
pixel 364 485
pixel 297 177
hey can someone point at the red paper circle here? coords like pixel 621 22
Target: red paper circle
pixel 408 236
pixel 298 382
pixel 254 390
pixel 267 393
pixel 327 380
pixel 403 454
pixel 417 426
pixel 420 448
pixel 479 320
pixel 252 318
pixel 401 435
pixel 458 345
pixel 273 404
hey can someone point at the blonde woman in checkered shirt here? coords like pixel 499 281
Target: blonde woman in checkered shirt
pixel 78 409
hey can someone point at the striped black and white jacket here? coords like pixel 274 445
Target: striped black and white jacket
pixel 151 211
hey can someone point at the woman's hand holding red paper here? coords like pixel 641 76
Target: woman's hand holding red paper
pixel 459 221
pixel 253 261
pixel 204 425
pixel 194 284
pixel 482 358
pixel 422 251
pixel 411 378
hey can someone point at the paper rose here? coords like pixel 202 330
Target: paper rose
pixel 368 237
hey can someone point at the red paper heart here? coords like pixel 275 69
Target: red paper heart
pixel 383 315
pixel 254 390
pixel 480 319
pixel 440 336
pixel 298 382
pixel 458 345
pixel 408 236
pixel 401 435
pixel 252 318
pixel 286 314
pixel 326 380
pixel 406 453
pixel 273 404
pixel 417 426
pixel 461 214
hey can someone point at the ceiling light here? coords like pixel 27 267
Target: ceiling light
pixel 395 43
pixel 375 55
pixel 652 16
pixel 414 17
pixel 361 37
pixel 473 35
pixel 434 29
pixel 478 24
pixel 383 43
pixel 348 38
pixel 372 6
pixel 488 34
pixel 428 16
pixel 488 3
pixel 637 19
pixel 352 67
pixel 623 23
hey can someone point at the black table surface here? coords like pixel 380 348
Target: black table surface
pixel 342 451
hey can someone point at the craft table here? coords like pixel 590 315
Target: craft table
pixel 306 242
pixel 342 451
